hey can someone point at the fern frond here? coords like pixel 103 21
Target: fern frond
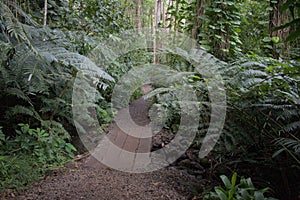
pixel 5 48
pixel 22 110
pixel 291 127
pixel 256 73
pixel 290 143
pixel 78 61
pixel 13 27
pixel 253 64
pixel 288 114
pixel 18 93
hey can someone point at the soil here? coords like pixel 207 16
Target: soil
pixel 84 182
pixel 87 178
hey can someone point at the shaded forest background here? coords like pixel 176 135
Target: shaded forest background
pixel 44 42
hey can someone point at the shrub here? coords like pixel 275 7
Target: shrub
pixel 244 190
pixel 31 153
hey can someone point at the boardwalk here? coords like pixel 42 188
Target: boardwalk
pixel 128 135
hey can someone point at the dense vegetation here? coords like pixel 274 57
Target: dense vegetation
pixel 45 44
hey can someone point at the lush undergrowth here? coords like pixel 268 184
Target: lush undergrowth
pixel 260 74
pixel 30 153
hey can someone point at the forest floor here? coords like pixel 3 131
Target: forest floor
pixel 84 182
pixel 87 178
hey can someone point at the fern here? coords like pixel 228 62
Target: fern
pixel 74 59
pixel 19 94
pixel 291 127
pixel 290 145
pixel 12 25
pixel 21 110
pixel 264 98
pixel 38 68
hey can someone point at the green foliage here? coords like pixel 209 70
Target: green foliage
pixel 265 98
pixel 98 18
pixel 37 74
pixel 39 66
pixel 171 83
pixel 17 171
pixel 221 28
pixel 104 114
pixel 290 145
pixel 49 147
pixel 244 190
pixel 32 152
pixel 181 15
pixel 254 27
pixel 262 113
pixel 91 17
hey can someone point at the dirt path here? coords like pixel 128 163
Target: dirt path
pixel 89 179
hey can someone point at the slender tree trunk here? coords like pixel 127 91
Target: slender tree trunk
pixel 151 21
pixel 176 11
pixel 169 16
pixel 159 14
pixel 198 21
pixel 45 13
pixel 163 14
pixel 278 18
pixel 142 13
pixel 155 26
pixel 138 16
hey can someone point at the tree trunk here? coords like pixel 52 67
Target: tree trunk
pixel 155 26
pixel 138 16
pixel 142 13
pixel 163 14
pixel 45 13
pixel 278 18
pixel 198 21
pixel 176 11
pixel 169 16
pixel 158 14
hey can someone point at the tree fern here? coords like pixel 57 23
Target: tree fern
pixel 38 68
pixel 264 94
pixel 12 26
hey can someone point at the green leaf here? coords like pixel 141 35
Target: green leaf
pixel 226 181
pixel 278 152
pixel 267 39
pixel 258 195
pixel 238 30
pixel 268 46
pixel 233 179
pixel 2 137
pixel 275 39
pixel 233 182
pixel 217 10
pixel 221 193
pixel 70 146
